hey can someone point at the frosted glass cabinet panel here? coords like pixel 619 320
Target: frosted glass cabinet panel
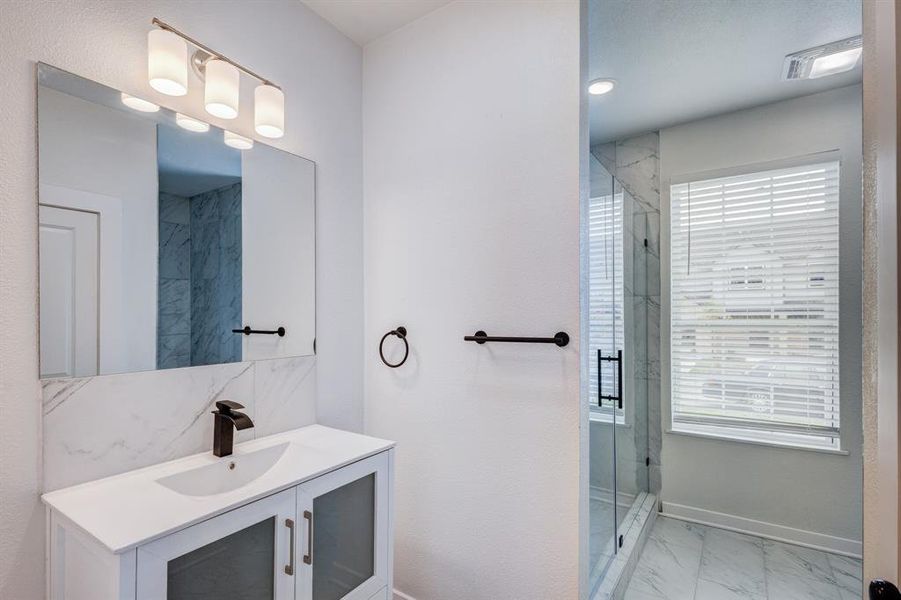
pixel 238 555
pixel 344 542
pixel 240 566
pixel 346 512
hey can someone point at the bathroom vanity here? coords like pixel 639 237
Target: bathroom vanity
pixel 304 514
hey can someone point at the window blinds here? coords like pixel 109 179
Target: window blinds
pixel 605 322
pixel 754 305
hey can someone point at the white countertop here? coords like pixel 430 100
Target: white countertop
pixel 127 510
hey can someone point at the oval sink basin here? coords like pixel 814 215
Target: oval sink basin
pixel 226 474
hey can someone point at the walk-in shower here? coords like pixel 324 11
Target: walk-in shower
pixel 623 277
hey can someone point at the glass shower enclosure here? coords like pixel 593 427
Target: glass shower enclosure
pixel 618 391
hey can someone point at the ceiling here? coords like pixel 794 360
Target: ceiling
pixel 190 163
pixel 366 20
pixel 680 60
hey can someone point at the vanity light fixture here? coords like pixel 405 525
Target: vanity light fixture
pixel 167 62
pixel 269 111
pixel 222 90
pixel 191 124
pixel 602 86
pixel 237 141
pixel 828 59
pixel 139 104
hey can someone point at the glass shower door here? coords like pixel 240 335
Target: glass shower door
pixel 617 318
pixel 605 346
pixel 631 430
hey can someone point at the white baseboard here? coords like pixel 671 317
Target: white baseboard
pixel 780 533
pixel 398 595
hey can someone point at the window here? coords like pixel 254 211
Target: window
pixel 754 306
pixel 605 235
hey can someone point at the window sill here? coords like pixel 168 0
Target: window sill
pixel 596 417
pixel 785 445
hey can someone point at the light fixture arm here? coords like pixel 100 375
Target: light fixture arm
pixel 210 51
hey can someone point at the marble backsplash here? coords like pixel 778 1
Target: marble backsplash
pixel 95 427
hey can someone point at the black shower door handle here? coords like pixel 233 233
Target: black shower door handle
pixel 617 396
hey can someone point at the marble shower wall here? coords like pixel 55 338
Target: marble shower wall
pixel 216 276
pixel 635 164
pixel 173 322
pixel 95 427
pixel 199 286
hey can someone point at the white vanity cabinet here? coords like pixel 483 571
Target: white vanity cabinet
pixel 325 538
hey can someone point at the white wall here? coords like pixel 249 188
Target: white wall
pixel 91 148
pixel 278 189
pixel 811 491
pixel 471 193
pixel 320 71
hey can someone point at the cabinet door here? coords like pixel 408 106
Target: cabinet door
pixel 344 516
pixel 244 554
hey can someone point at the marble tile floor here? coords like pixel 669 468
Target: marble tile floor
pixel 686 561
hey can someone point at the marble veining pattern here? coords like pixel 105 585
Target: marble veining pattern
pixel 685 561
pixel 282 389
pixel 637 169
pixel 173 334
pixel 216 298
pixel 100 426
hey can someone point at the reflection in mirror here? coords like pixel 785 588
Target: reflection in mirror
pixel 199 269
pixel 158 241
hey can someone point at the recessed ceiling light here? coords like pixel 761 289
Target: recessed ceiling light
pixel 139 104
pixel 828 59
pixel 601 86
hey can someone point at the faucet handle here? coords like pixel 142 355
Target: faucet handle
pixel 226 406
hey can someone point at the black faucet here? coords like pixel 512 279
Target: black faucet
pixel 227 419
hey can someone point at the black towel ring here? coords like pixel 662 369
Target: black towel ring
pixel 400 332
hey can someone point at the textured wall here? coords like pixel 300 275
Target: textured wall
pixel 320 71
pixel 472 210
pixel 880 292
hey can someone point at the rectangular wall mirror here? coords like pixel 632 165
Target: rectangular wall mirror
pixel 159 243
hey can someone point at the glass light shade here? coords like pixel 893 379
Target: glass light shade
pixel 167 62
pixel 223 83
pixel 839 62
pixel 190 123
pixel 138 104
pixel 601 86
pixel 269 111
pixel 237 141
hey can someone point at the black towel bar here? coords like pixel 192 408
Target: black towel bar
pixel 561 338
pixel 247 331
